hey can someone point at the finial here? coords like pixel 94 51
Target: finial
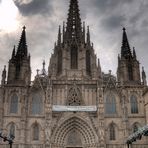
pixel 83 25
pixel 124 29
pixel 13 52
pixel 24 27
pixel 43 64
pixel 110 72
pixel 88 35
pixel 134 53
pixel 63 25
pixel 59 35
pixel 43 70
pixel 37 71
pixel 3 75
pixel 144 76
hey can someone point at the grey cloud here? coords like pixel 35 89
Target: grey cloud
pixel 34 7
pixel 109 5
pixel 113 22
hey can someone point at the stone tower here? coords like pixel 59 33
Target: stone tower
pixel 128 71
pixel 19 72
pixel 74 53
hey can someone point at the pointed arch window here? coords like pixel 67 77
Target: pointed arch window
pixel 12 130
pixel 35 131
pixel 112 132
pixel 134 105
pixel 37 104
pixel 14 104
pixel 74 57
pixel 110 106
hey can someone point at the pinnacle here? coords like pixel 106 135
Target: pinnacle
pixel 125 49
pixel 22 47
pixel 74 29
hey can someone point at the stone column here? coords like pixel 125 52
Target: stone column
pixel 48 115
pixel 101 129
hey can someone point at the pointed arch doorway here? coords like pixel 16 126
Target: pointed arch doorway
pixel 74 133
pixel 74 139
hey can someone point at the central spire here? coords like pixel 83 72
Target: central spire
pixel 74 28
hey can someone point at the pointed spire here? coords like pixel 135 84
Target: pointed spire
pixel 3 76
pixel 118 57
pixel 59 36
pixel 22 47
pixel 43 70
pixel 13 53
pixel 88 35
pixel 125 49
pixel 84 32
pixel 134 53
pixel 74 28
pixel 63 32
pixel 55 45
pixel 144 77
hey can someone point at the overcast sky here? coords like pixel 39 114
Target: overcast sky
pixel 105 18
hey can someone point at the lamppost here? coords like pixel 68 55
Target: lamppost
pixel 8 139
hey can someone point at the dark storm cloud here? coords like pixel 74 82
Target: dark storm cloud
pixel 34 7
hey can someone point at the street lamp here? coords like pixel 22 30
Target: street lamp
pixel 8 139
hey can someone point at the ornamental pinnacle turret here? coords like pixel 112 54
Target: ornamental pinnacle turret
pixel 74 51
pixel 19 64
pixel 74 28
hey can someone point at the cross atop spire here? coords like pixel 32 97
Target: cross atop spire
pixel 74 28
pixel 125 49
pixel 22 47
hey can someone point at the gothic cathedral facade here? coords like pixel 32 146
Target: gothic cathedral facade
pixel 74 105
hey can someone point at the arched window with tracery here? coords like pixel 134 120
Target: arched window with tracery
pixel 14 104
pixel 74 97
pixel 35 132
pixel 37 105
pixel 112 130
pixel 12 129
pixel 134 105
pixel 110 104
pixel 74 57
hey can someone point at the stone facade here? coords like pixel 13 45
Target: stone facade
pixel 75 105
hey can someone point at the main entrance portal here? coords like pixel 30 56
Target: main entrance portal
pixel 74 133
